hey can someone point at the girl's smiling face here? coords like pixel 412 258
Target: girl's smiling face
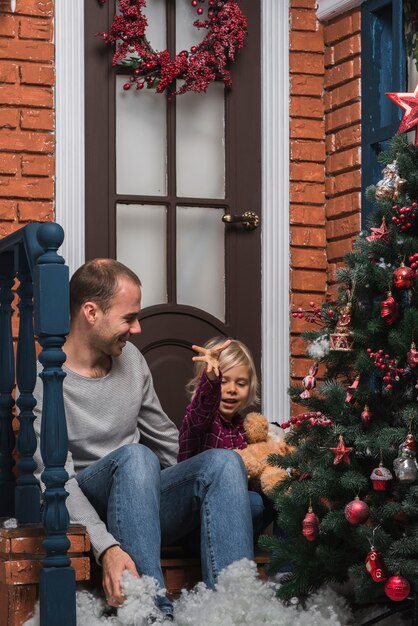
pixel 234 390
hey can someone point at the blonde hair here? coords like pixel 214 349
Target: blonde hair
pixel 234 355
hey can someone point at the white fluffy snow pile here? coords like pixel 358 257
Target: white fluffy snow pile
pixel 240 598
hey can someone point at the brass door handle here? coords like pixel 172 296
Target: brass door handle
pixel 249 219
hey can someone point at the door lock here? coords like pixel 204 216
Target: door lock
pixel 249 220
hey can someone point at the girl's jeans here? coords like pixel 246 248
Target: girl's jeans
pixel 145 507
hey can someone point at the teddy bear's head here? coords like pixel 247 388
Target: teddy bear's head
pixel 256 427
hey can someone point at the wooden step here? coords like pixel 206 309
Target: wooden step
pixel 21 555
pixel 184 572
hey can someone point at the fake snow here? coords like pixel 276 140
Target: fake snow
pixel 240 598
pixel 318 348
pixel 11 522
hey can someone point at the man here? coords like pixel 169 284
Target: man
pixel 120 438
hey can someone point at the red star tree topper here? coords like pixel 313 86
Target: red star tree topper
pixel 409 103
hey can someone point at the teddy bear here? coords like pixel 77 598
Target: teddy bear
pixel 261 476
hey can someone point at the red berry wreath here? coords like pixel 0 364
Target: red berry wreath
pixel 198 67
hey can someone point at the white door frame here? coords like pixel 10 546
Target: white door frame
pixel 70 180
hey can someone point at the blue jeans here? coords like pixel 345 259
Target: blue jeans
pixel 145 507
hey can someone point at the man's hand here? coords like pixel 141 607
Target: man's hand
pixel 114 562
pixel 210 356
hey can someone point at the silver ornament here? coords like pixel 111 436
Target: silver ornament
pixel 405 465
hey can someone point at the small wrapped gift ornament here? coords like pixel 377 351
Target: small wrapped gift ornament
pixel 381 478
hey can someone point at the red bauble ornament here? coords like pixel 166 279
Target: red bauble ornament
pixel 397 588
pixel 375 566
pixel 389 309
pixel 409 103
pixel 366 417
pixel 412 356
pixel 403 277
pixel 356 512
pixel 310 525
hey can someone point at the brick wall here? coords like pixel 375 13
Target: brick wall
pixel 343 137
pixel 325 157
pixel 307 171
pixel 26 113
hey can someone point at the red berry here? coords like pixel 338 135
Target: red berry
pixel 199 11
pixel 126 86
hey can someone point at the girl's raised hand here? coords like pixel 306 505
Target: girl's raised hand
pixel 210 356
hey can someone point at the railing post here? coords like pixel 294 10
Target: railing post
pixel 51 302
pixel 7 438
pixel 28 505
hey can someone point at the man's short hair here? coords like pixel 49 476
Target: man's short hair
pixel 97 281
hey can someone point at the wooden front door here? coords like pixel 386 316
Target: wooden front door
pixel 160 176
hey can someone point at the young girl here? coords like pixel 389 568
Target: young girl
pixel 225 383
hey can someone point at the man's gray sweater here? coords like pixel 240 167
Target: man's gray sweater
pixel 104 414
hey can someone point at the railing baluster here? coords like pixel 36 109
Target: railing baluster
pixel 27 488
pixel 57 578
pixel 7 438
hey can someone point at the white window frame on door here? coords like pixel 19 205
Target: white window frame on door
pixel 70 178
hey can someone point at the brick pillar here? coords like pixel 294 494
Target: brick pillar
pixel 307 171
pixel 343 137
pixel 27 117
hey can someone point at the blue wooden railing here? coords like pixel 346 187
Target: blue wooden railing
pixel 30 255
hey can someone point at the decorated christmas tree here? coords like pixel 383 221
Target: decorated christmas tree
pixel 349 507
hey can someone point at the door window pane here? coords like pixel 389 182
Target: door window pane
pixel 141 245
pixel 188 35
pixel 156 29
pixel 201 144
pixel 201 259
pixel 141 141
